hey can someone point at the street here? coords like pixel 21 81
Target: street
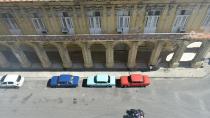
pixel 165 98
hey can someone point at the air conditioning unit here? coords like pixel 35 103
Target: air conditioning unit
pixel 119 30
pixel 181 30
pixel 44 31
pixel 65 30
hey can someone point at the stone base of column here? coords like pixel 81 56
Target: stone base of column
pixel 197 64
pixel 173 65
pixel 88 65
pixel 109 65
pixel 131 65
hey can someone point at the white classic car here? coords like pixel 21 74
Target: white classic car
pixel 8 81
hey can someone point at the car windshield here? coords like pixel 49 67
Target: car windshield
pixel 2 79
pixel 129 79
pixel 19 78
pixel 71 79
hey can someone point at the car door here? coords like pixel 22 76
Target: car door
pixel 4 84
pixel 10 84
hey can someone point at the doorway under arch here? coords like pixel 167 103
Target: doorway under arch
pixel 31 55
pixel 143 55
pixel 121 55
pixel 98 53
pixel 11 58
pixel 75 53
pixel 53 55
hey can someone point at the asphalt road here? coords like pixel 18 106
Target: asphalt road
pixel 174 98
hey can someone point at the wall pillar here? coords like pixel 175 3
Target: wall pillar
pixel 178 54
pixel 132 55
pixel 203 51
pixel 41 53
pixel 170 17
pixel 86 52
pixel 85 26
pixel 104 20
pixel 63 51
pixel 156 53
pixel 140 19
pixel 3 61
pixel 109 55
pixel 162 19
pixel 132 26
pixel 20 55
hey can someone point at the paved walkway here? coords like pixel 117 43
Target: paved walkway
pixel 161 73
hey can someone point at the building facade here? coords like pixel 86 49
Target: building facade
pixel 75 34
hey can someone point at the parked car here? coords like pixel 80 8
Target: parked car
pixel 101 80
pixel 134 113
pixel 135 80
pixel 64 80
pixel 10 80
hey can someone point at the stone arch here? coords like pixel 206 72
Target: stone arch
pixel 143 54
pixel 8 54
pixel 98 53
pixel 121 50
pixel 53 55
pixel 75 53
pixel 31 54
pixel 97 42
pixel 128 44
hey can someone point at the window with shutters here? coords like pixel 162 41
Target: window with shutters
pixel 11 23
pixel 38 24
pixel 151 21
pixel 206 22
pixel 67 23
pixel 94 22
pixel 123 21
pixel 181 21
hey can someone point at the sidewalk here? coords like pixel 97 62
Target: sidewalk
pixel 162 73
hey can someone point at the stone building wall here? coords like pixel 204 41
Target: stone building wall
pixel 79 33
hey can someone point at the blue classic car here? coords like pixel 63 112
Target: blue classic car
pixel 64 81
pixel 101 80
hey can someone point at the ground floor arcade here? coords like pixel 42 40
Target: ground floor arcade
pixel 97 54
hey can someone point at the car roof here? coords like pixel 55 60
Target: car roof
pixel 10 78
pixel 102 78
pixel 64 78
pixel 137 78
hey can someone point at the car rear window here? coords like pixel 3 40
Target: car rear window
pixel 10 82
pixel 19 78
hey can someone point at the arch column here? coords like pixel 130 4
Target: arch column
pixel 156 53
pixel 41 53
pixel 203 51
pixel 20 55
pixel 63 51
pixel 88 62
pixel 109 55
pixel 3 61
pixel 178 54
pixel 132 54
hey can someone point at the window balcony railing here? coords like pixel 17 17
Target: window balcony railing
pixel 137 36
